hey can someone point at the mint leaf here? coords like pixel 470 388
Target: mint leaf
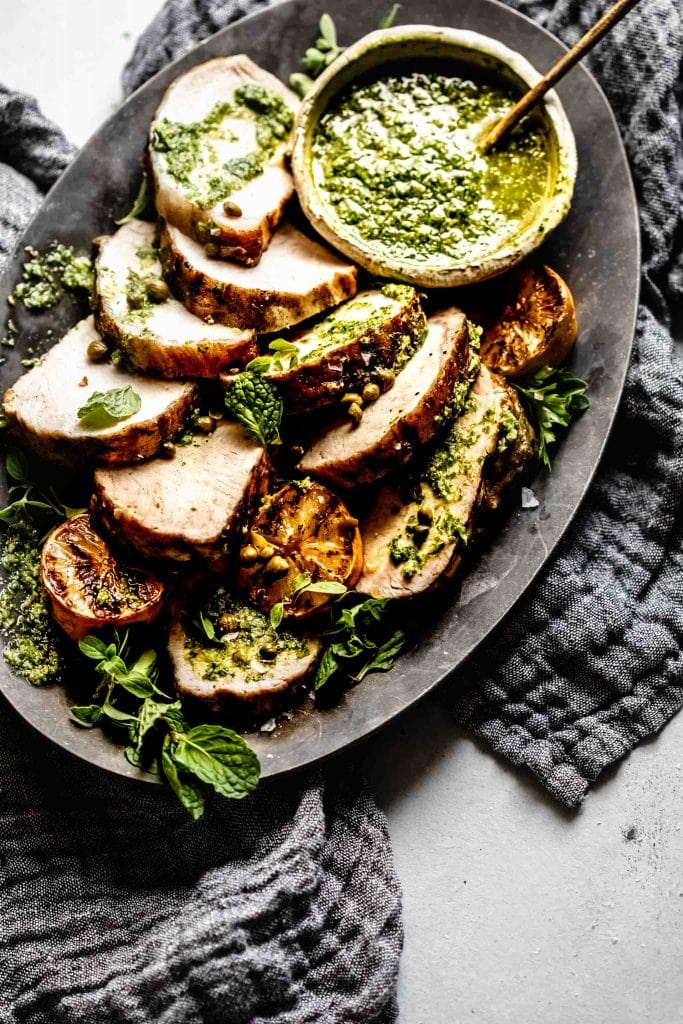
pixel 105 408
pixel 93 647
pixel 255 403
pixel 220 758
pixel 277 613
pixel 554 397
pixel 325 587
pixel 359 642
pixel 86 714
pixel 16 465
pixel 328 32
pixel 188 792
pixel 386 656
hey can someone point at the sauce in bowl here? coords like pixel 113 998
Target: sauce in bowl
pixel 395 162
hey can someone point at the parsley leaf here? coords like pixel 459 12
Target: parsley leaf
pixel 360 642
pixel 554 397
pixel 105 408
pixel 255 403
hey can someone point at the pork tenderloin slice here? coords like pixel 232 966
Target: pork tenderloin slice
pixel 193 505
pixel 159 337
pixel 395 427
pixel 232 673
pixel 297 278
pixel 376 330
pixel 188 199
pixel 412 547
pixel 42 406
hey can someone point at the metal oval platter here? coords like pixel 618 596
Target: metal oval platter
pixel 596 249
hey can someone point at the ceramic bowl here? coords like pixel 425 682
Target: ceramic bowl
pixel 469 53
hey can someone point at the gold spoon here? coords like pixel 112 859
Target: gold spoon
pixel 557 71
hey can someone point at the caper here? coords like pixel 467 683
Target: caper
pixel 135 300
pixel 167 450
pixel 257 540
pixel 268 652
pixel 216 415
pixel 351 398
pixel 248 554
pixel 385 379
pixel 229 623
pixel 371 392
pixel 212 250
pixel 157 290
pixel 206 424
pixel 266 552
pixel 355 412
pixel 420 534
pixel 425 516
pixel 278 566
pixel 231 209
pixel 241 654
pixel 98 351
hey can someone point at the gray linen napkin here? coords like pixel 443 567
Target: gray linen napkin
pixel 115 907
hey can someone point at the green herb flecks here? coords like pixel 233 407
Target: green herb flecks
pixel 47 277
pixel 104 408
pixel 255 403
pixel 554 397
pixel 191 759
pixel 139 204
pixel 33 645
pixel 361 640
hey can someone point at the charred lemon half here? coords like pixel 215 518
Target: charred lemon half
pixel 536 326
pixel 301 532
pixel 88 587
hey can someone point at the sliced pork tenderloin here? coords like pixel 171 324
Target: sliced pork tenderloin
pixel 414 542
pixel 250 666
pixel 135 310
pixel 42 407
pixel 296 279
pixel 395 426
pixel 377 330
pixel 221 136
pixel 193 505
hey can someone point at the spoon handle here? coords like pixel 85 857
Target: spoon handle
pixel 557 71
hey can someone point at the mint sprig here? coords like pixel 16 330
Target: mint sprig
pixel 255 403
pixel 191 759
pixel 361 641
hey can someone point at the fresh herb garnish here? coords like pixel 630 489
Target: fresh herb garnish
pixel 104 408
pixel 360 641
pixel 27 497
pixel 255 403
pixel 285 357
pixel 204 626
pixel 326 50
pixel 139 204
pixel 554 397
pixel 160 740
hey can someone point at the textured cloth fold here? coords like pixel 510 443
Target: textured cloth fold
pixel 590 661
pixel 115 908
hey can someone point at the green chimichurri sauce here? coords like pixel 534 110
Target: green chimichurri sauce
pixel 397 162
pixel 47 276
pixel 192 151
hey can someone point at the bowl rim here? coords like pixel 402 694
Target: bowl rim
pixel 423 275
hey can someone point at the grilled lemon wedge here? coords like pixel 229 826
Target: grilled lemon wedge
pixel 89 588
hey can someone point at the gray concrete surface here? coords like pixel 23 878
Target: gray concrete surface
pixel 515 911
